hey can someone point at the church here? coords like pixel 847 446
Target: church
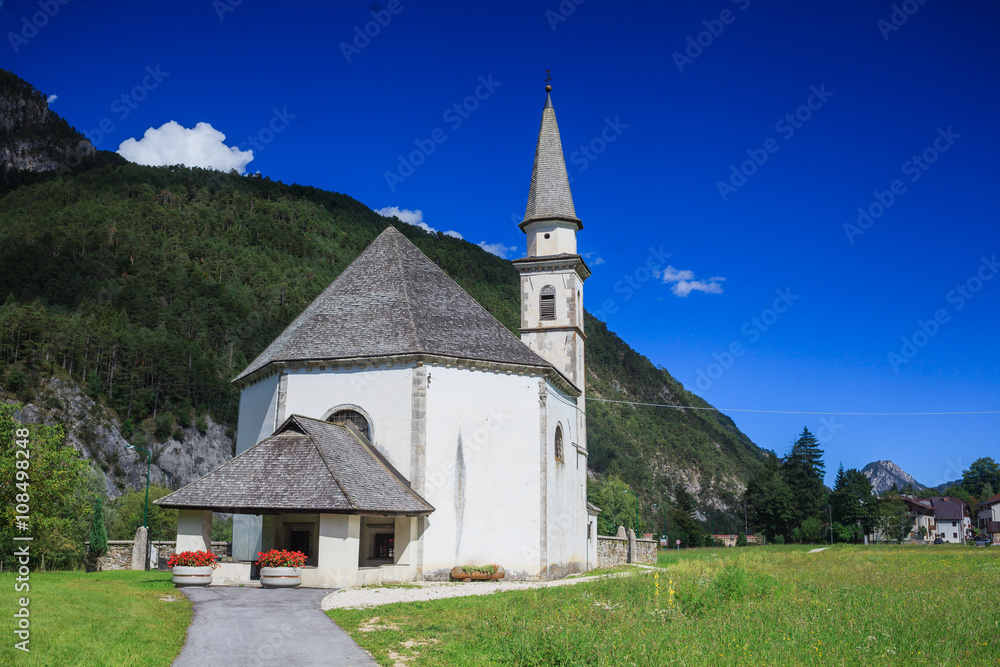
pixel 395 429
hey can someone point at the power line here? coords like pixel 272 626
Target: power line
pixel 799 412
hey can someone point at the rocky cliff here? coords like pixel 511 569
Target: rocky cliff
pixel 31 137
pixel 883 474
pixel 96 434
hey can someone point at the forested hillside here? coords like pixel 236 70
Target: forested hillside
pixel 152 287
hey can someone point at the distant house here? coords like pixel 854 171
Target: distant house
pixel 730 540
pixel 951 516
pixel 989 518
pixel 942 517
pixel 922 513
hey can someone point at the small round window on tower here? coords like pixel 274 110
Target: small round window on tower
pixel 547 235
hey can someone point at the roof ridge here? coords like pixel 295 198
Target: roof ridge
pixel 326 461
pixel 386 465
pixel 406 291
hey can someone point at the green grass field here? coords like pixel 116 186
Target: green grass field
pixel 766 605
pixel 102 618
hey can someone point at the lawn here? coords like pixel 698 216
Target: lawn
pixel 763 605
pixel 101 618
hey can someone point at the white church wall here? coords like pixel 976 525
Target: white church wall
pixel 566 550
pixel 258 408
pixel 258 403
pixel 383 393
pixel 486 492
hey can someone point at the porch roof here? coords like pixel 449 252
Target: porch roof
pixel 307 465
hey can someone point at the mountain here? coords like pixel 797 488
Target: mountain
pixel 149 288
pixel 883 474
pixel 35 140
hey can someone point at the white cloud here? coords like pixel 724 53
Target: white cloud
pixel 52 98
pixel 499 249
pixel 682 282
pixel 593 259
pixel 201 146
pixel 415 218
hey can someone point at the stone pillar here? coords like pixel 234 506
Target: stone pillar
pixel 633 555
pixel 139 555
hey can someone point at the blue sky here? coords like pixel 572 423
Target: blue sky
pixel 731 141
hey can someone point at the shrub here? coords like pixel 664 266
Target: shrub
pixel 178 434
pixel 164 427
pixel 201 424
pixel 779 539
pixel 98 534
pixel 183 417
pixel 741 540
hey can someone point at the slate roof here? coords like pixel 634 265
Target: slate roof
pixel 947 509
pixel 994 499
pixel 549 195
pixel 393 300
pixel 324 467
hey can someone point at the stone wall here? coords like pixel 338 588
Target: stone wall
pixel 613 551
pixel 647 551
pixel 119 554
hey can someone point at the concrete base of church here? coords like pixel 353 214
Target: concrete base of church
pixel 194 530
pixel 342 544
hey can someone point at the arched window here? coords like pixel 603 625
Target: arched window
pixel 559 443
pixel 547 303
pixel 354 417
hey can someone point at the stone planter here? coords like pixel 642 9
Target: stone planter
pixel 281 577
pixel 462 575
pixel 191 576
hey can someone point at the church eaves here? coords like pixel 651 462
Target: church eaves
pixel 549 196
pixel 393 301
pixel 326 468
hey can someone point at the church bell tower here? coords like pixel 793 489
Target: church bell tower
pixel 552 274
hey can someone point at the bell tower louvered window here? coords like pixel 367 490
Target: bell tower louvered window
pixel 547 303
pixel 353 416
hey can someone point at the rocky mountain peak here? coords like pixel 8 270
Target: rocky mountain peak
pixel 883 474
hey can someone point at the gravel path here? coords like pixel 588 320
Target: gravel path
pixel 421 591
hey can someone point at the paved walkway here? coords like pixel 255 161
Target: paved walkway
pixel 258 626
pixel 422 591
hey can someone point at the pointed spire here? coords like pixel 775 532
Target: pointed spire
pixel 549 197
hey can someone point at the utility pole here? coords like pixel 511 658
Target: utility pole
pixel 829 510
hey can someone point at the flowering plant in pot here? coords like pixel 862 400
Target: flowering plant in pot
pixel 193 559
pixel 192 568
pixel 280 568
pixel 281 558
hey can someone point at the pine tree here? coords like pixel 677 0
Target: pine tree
pixel 98 535
pixel 803 471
